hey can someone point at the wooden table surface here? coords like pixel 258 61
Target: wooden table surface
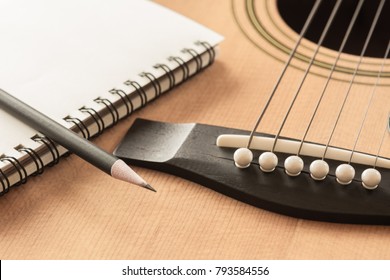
pixel 74 211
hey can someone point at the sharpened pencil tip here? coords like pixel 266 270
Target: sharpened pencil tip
pixel 120 170
pixel 149 187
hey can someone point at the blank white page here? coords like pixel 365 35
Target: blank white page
pixel 59 55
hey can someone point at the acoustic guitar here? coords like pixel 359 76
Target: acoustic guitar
pixel 321 153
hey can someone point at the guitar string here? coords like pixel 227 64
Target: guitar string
pixel 332 70
pixel 301 35
pixel 368 38
pixel 319 44
pixel 370 101
pixel 383 138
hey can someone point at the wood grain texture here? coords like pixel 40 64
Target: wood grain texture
pixel 74 211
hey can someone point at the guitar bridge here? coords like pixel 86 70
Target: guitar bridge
pixel 190 151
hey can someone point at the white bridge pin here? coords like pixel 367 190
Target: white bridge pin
pixel 242 157
pixel 345 174
pixel 371 178
pixel 268 161
pixel 293 165
pixel 319 169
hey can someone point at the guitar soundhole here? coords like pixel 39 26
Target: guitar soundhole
pixel 294 13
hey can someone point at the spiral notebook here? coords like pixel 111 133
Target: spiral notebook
pixel 88 64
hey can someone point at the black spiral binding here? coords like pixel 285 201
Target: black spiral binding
pixel 18 167
pixel 36 158
pixel 195 55
pixel 98 119
pixel 183 66
pixel 111 108
pixel 168 73
pixel 140 91
pixel 51 146
pixel 210 50
pixel 155 83
pixel 5 185
pixel 81 126
pixel 125 99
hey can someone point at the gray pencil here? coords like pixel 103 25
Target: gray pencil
pixel 71 141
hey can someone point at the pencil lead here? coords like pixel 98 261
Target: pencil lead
pixel 120 170
pixel 149 187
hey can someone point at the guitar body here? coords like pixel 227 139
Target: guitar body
pixel 232 93
pixel 350 112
